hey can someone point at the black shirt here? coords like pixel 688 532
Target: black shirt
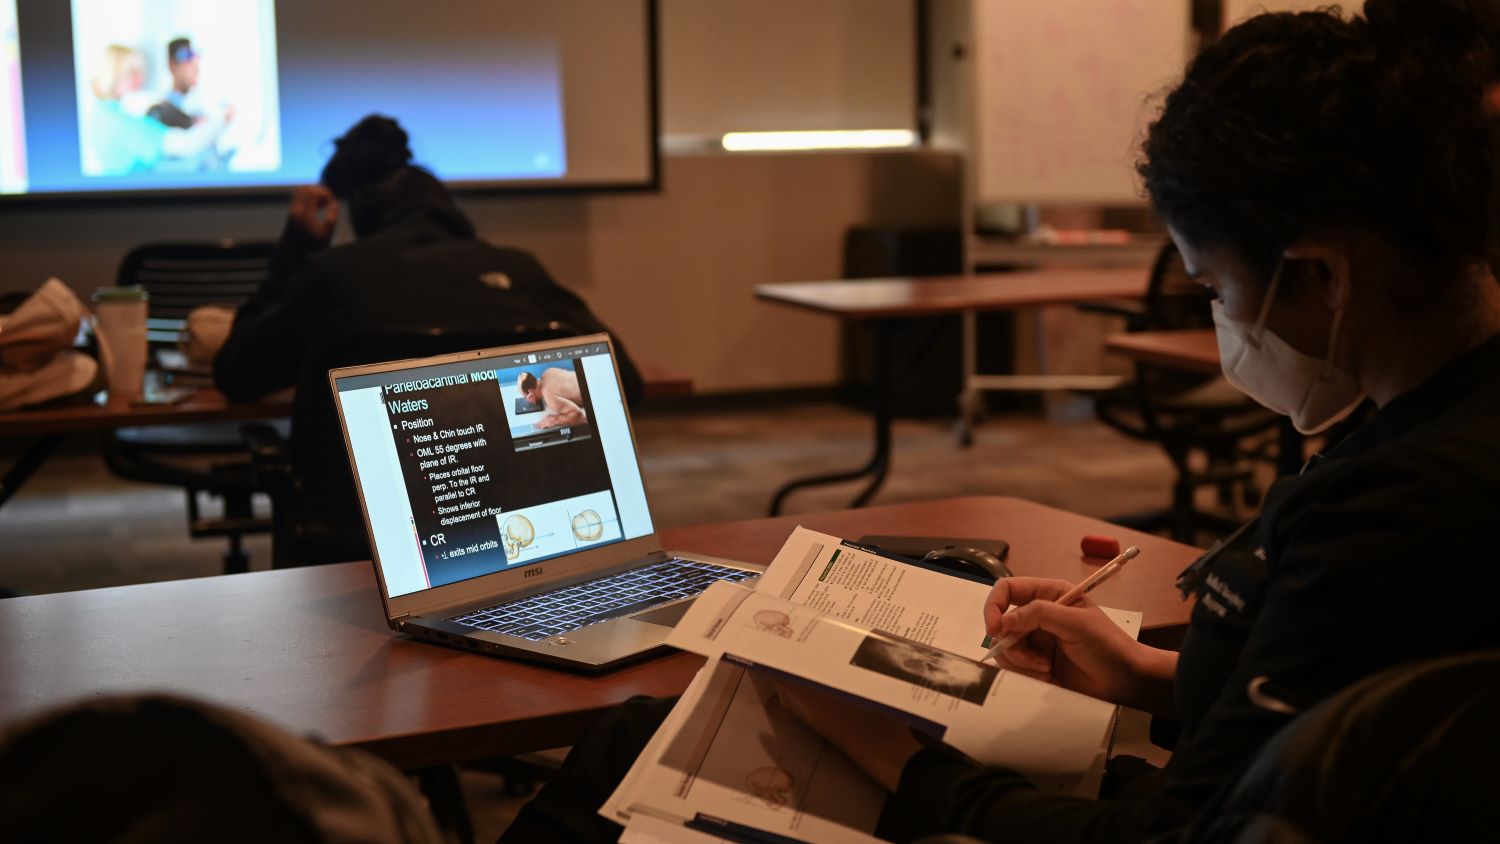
pixel 1379 554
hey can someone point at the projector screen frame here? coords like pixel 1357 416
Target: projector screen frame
pixel 275 193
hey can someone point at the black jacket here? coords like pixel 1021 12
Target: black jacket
pixel 1379 554
pixel 422 266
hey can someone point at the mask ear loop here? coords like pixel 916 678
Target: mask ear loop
pixel 1265 306
pixel 1330 372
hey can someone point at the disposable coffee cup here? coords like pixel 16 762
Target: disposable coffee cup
pixel 120 322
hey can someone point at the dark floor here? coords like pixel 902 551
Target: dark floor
pixel 699 466
pixel 74 526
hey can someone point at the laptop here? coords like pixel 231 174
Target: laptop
pixel 505 505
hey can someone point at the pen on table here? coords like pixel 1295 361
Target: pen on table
pixel 1098 577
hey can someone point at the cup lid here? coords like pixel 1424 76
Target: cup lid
pixel 112 295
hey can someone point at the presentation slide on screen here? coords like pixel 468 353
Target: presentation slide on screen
pixel 452 491
pixel 12 121
pixel 108 95
pixel 212 106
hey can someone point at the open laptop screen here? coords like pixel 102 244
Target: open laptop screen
pixel 493 463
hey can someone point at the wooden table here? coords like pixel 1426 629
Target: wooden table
pixel 49 424
pixel 994 250
pixel 1195 350
pixel 206 405
pixel 308 648
pixel 210 405
pixel 661 382
pixel 876 298
pixel 885 300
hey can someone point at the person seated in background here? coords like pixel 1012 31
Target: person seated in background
pixel 1330 180
pixel 416 263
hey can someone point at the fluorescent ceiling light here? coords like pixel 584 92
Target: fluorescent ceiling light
pixel 851 139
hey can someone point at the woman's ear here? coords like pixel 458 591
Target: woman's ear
pixel 1330 268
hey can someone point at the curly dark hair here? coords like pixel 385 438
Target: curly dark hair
pixel 366 155
pixel 1292 123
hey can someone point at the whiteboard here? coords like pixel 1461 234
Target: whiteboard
pixel 1237 10
pixel 1063 93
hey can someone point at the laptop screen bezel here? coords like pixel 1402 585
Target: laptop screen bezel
pixel 536 574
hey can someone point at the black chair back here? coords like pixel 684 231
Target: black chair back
pixel 1174 301
pixel 182 276
pixel 1185 411
pixel 178 278
pixel 1406 755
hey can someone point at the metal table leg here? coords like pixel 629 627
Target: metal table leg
pixel 26 465
pixel 971 406
pixel 970 403
pixel 880 461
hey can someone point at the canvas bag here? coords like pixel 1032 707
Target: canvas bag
pixel 37 359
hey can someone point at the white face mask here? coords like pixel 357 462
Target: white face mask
pixel 1315 393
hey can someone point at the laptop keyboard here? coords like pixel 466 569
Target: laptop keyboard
pixel 601 599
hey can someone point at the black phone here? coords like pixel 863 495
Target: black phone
pixel 921 546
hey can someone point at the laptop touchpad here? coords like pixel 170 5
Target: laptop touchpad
pixel 667 616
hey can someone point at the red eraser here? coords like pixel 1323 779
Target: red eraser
pixel 1101 546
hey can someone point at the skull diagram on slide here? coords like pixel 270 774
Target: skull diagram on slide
pixel 519 533
pixel 588 526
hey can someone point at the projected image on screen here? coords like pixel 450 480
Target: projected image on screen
pixel 170 87
pixel 12 122
pixel 169 96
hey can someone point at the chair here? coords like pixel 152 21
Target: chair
pixel 1406 755
pixel 1208 429
pixel 202 459
pixel 182 276
pixel 315 512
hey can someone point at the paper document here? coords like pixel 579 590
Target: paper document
pixel 646 829
pixel 998 717
pixel 880 633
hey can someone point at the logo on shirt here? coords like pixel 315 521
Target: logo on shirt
pixel 1222 595
pixel 497 280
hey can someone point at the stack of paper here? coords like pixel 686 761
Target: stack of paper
pixel 731 761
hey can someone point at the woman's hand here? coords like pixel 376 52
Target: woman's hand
pixel 1077 647
pixel 315 210
pixel 880 744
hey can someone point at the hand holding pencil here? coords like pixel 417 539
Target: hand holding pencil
pixel 1104 573
pixel 1053 631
